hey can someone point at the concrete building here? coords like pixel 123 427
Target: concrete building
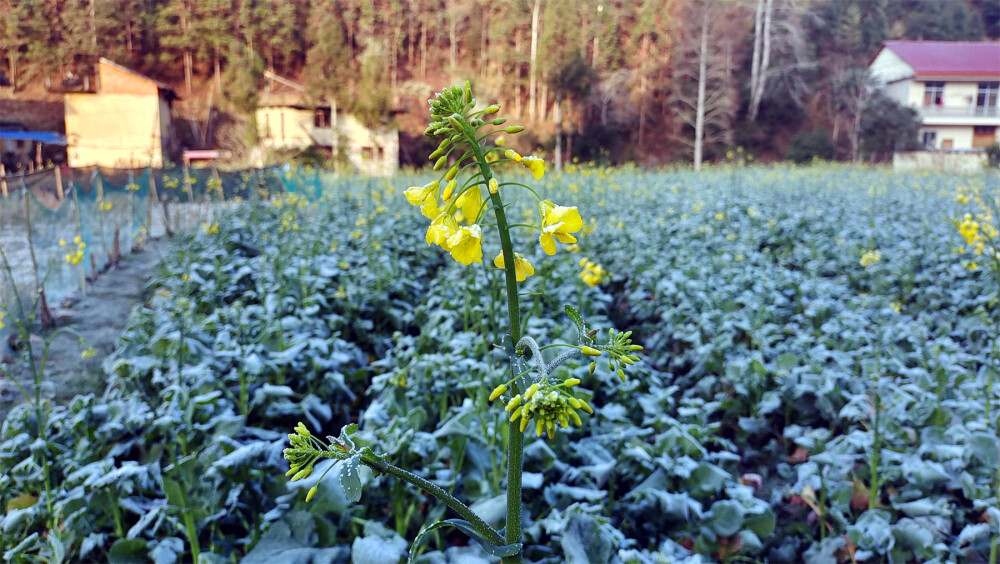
pixel 953 85
pixel 286 121
pixel 124 122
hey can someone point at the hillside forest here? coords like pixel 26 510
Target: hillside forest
pixel 619 80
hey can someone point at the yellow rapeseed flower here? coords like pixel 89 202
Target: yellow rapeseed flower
pixel 536 165
pixel 466 245
pixel 416 195
pixel 443 227
pixel 522 267
pixel 470 202
pixel 557 224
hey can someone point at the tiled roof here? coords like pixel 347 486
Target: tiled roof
pixel 949 58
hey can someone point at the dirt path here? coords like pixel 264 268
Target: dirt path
pixel 100 316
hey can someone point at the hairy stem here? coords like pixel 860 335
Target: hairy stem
pixel 482 527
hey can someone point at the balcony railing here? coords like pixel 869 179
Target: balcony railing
pixel 959 111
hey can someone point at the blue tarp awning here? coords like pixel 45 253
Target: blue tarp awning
pixel 48 137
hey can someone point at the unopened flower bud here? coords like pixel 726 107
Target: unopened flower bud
pixel 491 109
pixel 440 163
pixel 576 418
pixel 493 186
pixel 452 173
pixel 621 374
pixel 437 153
pixel 449 191
pixel 499 390
pixel 515 414
pixel 311 494
pixel 570 382
pixel 524 423
pixel 512 155
pixel 593 367
pixel 499 121
pixel 635 347
pixel 514 128
pixel 513 403
pixel 590 351
pixel 586 406
pixel 531 391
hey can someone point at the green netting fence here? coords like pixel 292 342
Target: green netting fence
pixel 60 228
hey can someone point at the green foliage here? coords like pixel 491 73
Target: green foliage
pixel 750 413
pixel 806 147
pixel 887 126
pixel 993 155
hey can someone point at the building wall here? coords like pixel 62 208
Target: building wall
pixel 282 127
pixel 116 130
pixel 889 67
pixel 960 136
pixel 113 80
pixel 373 152
pixel 935 160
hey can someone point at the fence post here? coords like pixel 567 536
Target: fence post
pixel 26 193
pixel 151 199
pixel 59 185
pixel 3 181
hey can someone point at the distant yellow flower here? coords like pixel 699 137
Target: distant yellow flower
pixel 522 267
pixel 870 258
pixel 443 227
pixel 720 216
pixel 557 224
pixel 62 242
pixel 466 245
pixel 89 352
pixel 593 273
pixel 962 199
pixel 536 165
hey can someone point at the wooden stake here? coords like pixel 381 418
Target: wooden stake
pixel 3 181
pixel 27 229
pixel 60 196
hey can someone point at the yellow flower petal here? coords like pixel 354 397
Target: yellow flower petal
pixel 443 227
pixel 535 164
pixel 470 202
pixel 466 245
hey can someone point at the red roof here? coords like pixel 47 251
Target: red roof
pixel 949 58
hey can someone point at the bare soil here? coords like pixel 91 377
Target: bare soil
pixel 100 316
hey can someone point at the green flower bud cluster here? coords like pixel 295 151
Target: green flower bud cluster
pixel 546 403
pixel 306 450
pixel 620 352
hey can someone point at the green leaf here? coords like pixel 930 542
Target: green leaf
pixel 174 492
pixel 577 319
pixel 468 529
pixel 350 477
pixel 762 524
pixel 129 551
pixel 727 517
pixel 983 447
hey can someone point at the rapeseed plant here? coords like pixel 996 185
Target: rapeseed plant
pixel 457 207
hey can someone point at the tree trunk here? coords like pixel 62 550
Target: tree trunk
pixel 188 63
pixel 758 24
pixel 763 59
pixel 533 69
pixel 423 51
pixel 558 132
pixel 453 39
pixel 218 69
pixel 699 124
pixel 642 90
pixel 93 26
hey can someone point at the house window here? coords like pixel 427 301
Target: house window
pixel 381 154
pixel 930 138
pixel 366 153
pixel 933 93
pixel 321 118
pixel 986 100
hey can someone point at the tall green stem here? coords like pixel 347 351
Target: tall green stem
pixel 515 438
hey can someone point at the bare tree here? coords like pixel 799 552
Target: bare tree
pixel 704 95
pixel 761 58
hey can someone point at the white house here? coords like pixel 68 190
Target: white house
pixel 286 121
pixel 953 85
